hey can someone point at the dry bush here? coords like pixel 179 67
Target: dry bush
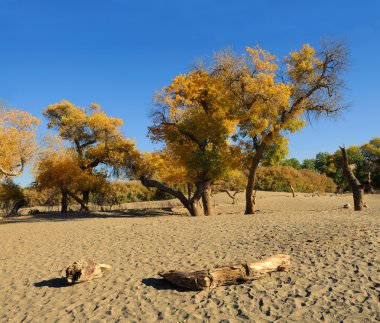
pixel 279 178
pixel 48 197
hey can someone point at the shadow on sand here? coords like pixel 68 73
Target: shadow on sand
pixel 161 284
pixel 58 216
pixel 53 283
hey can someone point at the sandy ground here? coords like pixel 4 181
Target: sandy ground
pixel 335 273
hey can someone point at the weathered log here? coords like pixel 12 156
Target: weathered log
pixel 227 275
pixel 84 270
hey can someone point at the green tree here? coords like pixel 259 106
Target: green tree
pixel 292 162
pixel 309 164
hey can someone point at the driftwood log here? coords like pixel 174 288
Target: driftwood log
pixel 227 275
pixel 84 270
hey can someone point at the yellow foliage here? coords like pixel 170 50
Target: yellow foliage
pixel 279 178
pixel 194 120
pixel 94 137
pixel 17 138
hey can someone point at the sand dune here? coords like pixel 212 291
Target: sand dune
pixel 335 273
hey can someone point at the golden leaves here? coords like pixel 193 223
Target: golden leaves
pixel 17 137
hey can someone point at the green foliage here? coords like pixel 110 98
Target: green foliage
pixel 309 164
pixel 279 178
pixel 292 162
pixel 365 159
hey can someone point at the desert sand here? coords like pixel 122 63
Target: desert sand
pixel 334 277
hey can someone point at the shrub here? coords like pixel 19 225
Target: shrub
pixel 279 178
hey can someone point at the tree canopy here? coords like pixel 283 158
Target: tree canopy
pixel 18 140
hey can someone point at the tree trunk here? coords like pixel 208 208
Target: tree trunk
pixel 228 275
pixel 357 188
pixel 190 204
pixel 369 184
pixel 249 200
pixel 85 199
pixel 232 196
pixel 292 189
pixel 83 207
pixel 207 200
pixel 64 202
pixel 196 199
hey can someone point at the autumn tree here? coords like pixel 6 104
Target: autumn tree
pixel 57 167
pixel 192 118
pixel 272 99
pixel 94 138
pixel 17 138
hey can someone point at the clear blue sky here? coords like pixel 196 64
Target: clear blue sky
pixel 118 53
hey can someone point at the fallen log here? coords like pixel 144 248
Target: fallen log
pixel 84 270
pixel 226 275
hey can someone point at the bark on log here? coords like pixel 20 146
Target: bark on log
pixel 227 275
pixel 84 270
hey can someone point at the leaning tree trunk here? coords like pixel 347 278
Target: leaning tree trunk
pixel 83 207
pixel 191 204
pixel 207 199
pixel 86 200
pixel 64 202
pixel 357 188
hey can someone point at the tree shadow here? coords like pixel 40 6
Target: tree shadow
pixel 162 284
pixel 53 283
pixel 75 216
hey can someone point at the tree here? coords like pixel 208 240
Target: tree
pixel 11 197
pixel 192 118
pixel 94 138
pixel 17 137
pixel 371 154
pixel 292 162
pixel 309 164
pixel 60 169
pixel 272 101
pixel 232 184
pixel 357 188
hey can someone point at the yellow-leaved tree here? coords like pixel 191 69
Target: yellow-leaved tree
pixel 94 138
pixel 57 167
pixel 192 118
pixel 272 100
pixel 17 138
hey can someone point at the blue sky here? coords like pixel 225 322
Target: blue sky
pixel 118 53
